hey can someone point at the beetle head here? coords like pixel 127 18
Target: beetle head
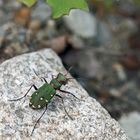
pixel 62 78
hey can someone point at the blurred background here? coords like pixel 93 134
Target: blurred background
pixel 102 46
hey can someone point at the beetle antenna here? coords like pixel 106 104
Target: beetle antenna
pixel 38 120
pixel 68 71
pixel 35 72
pixel 38 75
pixel 83 79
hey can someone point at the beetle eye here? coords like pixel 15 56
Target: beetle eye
pixel 64 82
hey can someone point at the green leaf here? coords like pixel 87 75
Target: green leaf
pixel 108 4
pixel 137 2
pixel 28 2
pixel 63 7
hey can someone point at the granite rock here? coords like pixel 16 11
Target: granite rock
pixel 90 120
pixel 130 123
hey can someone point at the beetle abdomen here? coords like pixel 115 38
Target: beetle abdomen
pixel 42 96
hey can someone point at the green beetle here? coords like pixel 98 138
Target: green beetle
pixel 43 95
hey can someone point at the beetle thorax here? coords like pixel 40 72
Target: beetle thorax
pixel 58 81
pixel 55 84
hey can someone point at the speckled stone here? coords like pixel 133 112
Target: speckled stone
pixel 90 120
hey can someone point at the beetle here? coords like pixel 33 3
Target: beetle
pixel 44 94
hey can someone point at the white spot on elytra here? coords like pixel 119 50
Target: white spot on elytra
pixel 30 97
pixel 51 95
pixel 46 101
pixel 41 98
pixel 39 106
pixel 33 106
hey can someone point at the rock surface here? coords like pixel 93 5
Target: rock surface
pixel 131 124
pixel 90 120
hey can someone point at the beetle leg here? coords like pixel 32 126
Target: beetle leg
pixel 34 87
pixel 68 93
pixel 64 106
pixel 44 79
pixel 38 120
pixel 25 93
